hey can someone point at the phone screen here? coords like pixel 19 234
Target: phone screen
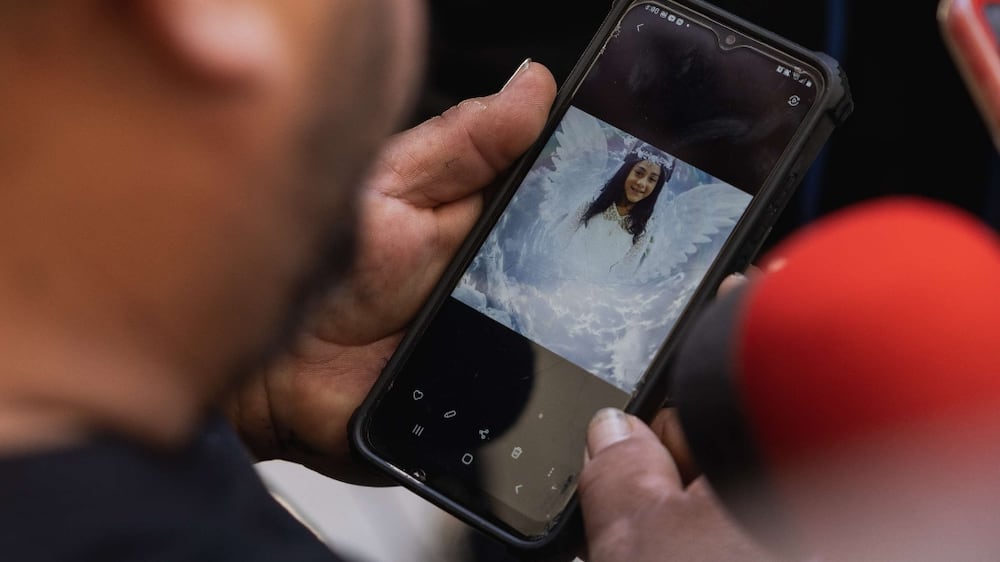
pixel 567 303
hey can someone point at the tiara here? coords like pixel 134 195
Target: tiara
pixel 644 152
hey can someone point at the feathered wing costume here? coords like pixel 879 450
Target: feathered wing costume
pixel 589 293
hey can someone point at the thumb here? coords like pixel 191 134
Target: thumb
pixel 635 507
pixel 449 157
pixel 625 462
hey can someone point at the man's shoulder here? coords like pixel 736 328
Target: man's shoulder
pixel 114 500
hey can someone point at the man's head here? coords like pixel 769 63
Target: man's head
pixel 175 173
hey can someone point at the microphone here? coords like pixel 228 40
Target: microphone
pixel 846 403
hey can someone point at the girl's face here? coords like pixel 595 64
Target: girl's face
pixel 641 181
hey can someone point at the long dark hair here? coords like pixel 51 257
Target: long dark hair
pixel 614 190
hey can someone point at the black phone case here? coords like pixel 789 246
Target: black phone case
pixel 745 241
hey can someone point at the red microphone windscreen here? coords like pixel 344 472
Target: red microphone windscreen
pixel 880 315
pixel 867 364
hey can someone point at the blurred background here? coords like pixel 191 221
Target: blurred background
pixel 914 130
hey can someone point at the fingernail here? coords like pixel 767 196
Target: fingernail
pixel 477 104
pixel 524 65
pixel 776 263
pixel 607 427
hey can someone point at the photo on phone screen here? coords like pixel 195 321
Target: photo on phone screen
pixel 568 296
pixel 600 248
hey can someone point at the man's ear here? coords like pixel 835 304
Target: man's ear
pixel 234 42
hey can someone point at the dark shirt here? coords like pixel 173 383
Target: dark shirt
pixel 112 500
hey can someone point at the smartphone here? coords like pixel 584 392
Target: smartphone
pixel 672 147
pixel 971 31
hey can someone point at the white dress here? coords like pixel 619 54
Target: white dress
pixel 602 247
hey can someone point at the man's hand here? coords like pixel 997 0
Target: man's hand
pixel 636 506
pixel 421 199
pixel 644 498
